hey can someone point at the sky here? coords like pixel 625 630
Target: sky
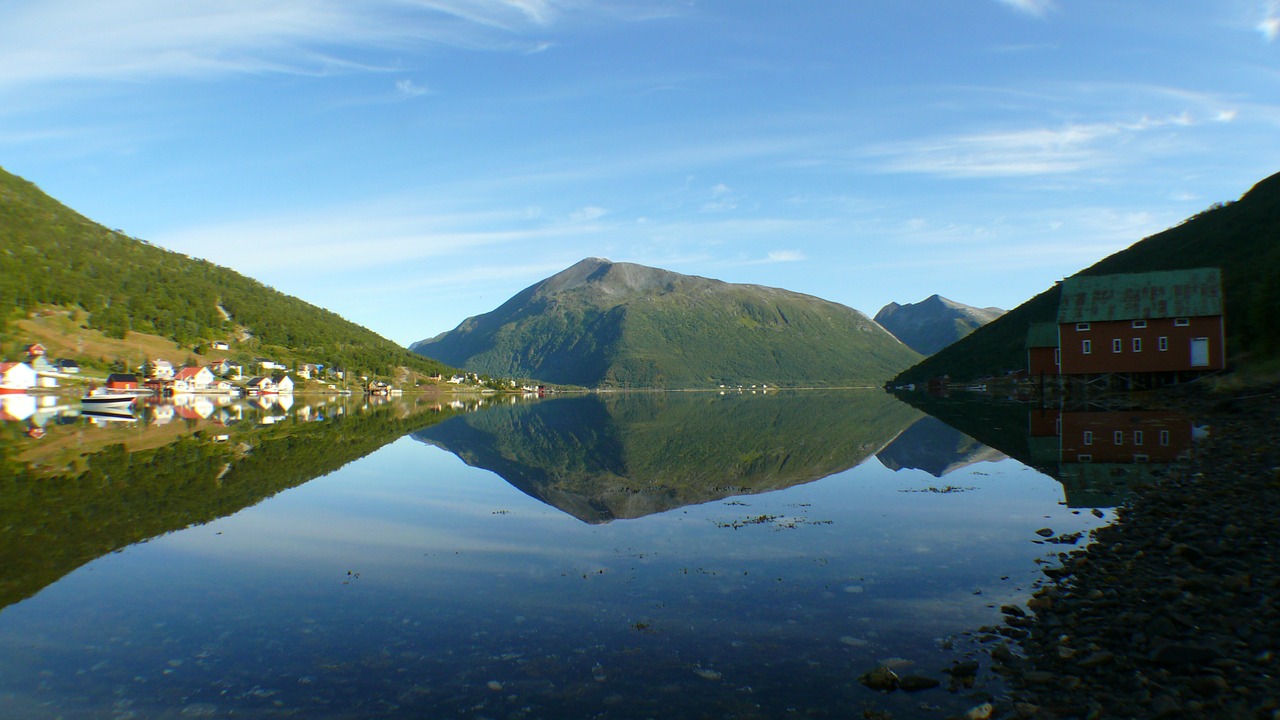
pixel 411 163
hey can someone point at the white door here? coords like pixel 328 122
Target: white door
pixel 1200 352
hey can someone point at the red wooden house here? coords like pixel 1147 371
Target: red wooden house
pixel 1159 322
pixel 1042 350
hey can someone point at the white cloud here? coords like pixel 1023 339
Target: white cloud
pixel 1038 151
pixel 409 88
pixel 133 40
pixel 786 256
pixel 587 214
pixel 1269 26
pixel 1038 8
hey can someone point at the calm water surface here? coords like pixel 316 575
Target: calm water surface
pixel 644 556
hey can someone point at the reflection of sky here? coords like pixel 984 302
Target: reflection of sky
pixel 410 555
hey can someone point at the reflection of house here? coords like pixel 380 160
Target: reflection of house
pixel 1157 322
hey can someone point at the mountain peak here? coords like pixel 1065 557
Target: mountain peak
pixel 601 323
pixel 933 323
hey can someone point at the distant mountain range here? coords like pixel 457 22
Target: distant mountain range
pixel 606 324
pixel 933 323
pixel 1242 238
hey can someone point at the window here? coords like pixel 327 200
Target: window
pixel 1181 322
pixel 1137 437
pixel 1087 347
pixel 1163 344
pixel 1141 458
pixel 1084 458
pixel 1088 437
pixel 1164 438
pixel 1139 324
pixel 1137 344
pixel 1118 438
pixel 1057 357
pixel 1082 326
pixel 1117 345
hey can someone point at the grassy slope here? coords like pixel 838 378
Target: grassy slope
pixel 1242 238
pixel 51 256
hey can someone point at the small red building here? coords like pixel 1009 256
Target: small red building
pixel 1042 350
pixel 122 381
pixel 1157 322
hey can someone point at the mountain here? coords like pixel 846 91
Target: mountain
pixel 55 262
pixel 610 456
pixel 933 323
pixel 606 324
pixel 1242 238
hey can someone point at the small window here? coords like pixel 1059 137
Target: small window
pixel 1164 438
pixel 1141 458
pixel 1057 427
pixel 1088 437
pixel 1118 438
pixel 1057 356
pixel 1139 324
pixel 1137 344
pixel 1087 347
pixel 1082 326
pixel 1117 345
pixel 1084 458
pixel 1163 344
pixel 1137 437
pixel 1181 322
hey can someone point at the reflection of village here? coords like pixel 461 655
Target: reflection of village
pixel 1099 456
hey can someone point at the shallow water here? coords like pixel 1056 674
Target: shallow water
pixel 649 556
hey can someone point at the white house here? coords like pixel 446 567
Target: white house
pixel 285 385
pixel 193 378
pixel 162 370
pixel 219 345
pixel 17 376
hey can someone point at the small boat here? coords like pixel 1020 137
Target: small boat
pixel 104 398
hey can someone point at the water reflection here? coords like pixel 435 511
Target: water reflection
pixel 235 566
pixel 936 448
pixel 602 458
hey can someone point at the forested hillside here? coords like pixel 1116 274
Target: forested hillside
pixel 52 256
pixel 1242 238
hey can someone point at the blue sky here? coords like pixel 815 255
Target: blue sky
pixel 409 163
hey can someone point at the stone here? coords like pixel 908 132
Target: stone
pixel 1045 532
pixel 915 683
pixel 1179 654
pixel 881 679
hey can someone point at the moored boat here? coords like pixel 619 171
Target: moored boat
pixel 104 398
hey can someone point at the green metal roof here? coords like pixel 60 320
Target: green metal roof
pixel 1041 335
pixel 1141 296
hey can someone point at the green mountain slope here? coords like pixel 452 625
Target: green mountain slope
pixel 1242 238
pixel 51 255
pixel 608 324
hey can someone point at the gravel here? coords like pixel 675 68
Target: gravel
pixel 1173 611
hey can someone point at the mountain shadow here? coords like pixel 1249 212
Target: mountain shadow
pixel 605 457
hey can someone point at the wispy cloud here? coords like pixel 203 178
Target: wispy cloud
pixel 1038 151
pixel 1038 8
pixel 1269 25
pixel 141 40
pixel 409 88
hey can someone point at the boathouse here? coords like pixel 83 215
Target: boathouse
pixel 122 381
pixel 1147 328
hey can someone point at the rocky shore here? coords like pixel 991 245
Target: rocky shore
pixel 1174 610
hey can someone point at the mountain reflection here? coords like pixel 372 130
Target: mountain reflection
pixel 605 457
pixel 936 448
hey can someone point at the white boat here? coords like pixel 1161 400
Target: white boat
pixel 103 398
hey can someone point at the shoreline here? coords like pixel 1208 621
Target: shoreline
pixel 1173 610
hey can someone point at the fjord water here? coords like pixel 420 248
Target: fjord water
pixel 644 555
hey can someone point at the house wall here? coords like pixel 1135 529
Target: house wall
pixel 1150 358
pixel 1041 360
